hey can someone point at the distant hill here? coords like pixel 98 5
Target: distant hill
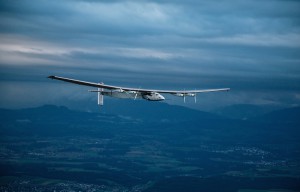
pixel 59 120
pixel 144 110
pixel 244 111
pixel 290 115
pixel 156 111
pixel 46 112
pixel 178 123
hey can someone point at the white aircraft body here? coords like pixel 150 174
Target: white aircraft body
pixel 134 93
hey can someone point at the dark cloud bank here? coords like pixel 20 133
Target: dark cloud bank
pixel 252 47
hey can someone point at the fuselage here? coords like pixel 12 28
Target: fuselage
pixel 134 95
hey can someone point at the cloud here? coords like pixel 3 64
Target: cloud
pixel 249 46
pixel 277 40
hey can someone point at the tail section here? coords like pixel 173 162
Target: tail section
pixel 100 96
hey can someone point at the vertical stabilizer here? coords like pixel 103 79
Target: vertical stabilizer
pixel 100 96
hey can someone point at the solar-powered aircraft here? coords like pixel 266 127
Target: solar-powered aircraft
pixel 135 93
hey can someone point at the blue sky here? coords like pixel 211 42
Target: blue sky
pixel 252 47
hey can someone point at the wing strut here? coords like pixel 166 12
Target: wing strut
pixel 100 96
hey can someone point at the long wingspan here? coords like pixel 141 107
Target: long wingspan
pixel 110 87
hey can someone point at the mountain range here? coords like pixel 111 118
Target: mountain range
pixel 154 116
pixel 148 147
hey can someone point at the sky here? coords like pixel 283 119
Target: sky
pixel 253 47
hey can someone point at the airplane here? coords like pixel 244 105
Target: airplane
pixel 134 93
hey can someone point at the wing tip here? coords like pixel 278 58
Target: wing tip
pixel 51 77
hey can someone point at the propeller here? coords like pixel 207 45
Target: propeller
pixel 184 96
pixel 195 96
pixel 135 95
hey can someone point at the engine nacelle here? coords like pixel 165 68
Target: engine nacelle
pixel 191 94
pixel 118 90
pixel 179 94
pixel 185 94
pixel 131 92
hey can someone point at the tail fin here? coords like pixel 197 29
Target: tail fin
pixel 100 96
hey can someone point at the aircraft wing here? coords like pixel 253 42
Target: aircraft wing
pixel 110 87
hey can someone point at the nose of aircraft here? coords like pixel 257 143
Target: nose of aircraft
pixel 161 97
